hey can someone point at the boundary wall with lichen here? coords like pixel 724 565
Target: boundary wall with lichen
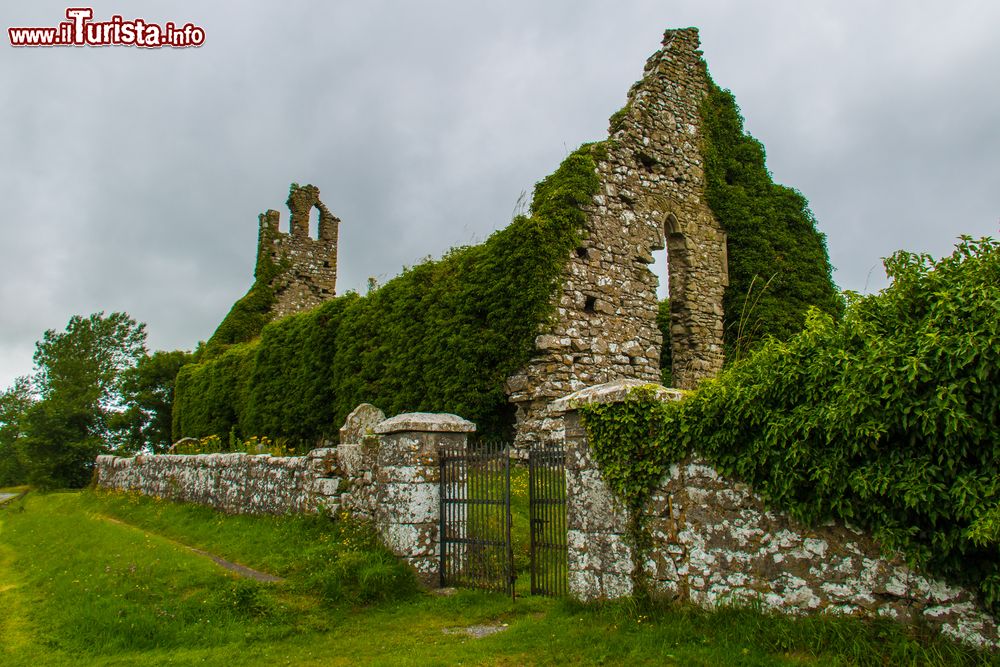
pixel 384 471
pixel 711 540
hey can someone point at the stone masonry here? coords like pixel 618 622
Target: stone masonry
pixel 395 475
pixel 651 195
pixel 408 478
pixel 306 267
pixel 715 542
pixel 233 483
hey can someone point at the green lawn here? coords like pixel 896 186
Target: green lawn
pixel 78 588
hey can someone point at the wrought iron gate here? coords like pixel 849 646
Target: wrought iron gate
pixel 475 518
pixel 547 511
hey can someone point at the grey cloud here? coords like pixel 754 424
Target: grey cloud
pixel 132 179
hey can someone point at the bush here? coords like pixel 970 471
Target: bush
pixel 889 419
pixel 778 263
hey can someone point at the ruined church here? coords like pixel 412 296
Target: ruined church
pixel 651 196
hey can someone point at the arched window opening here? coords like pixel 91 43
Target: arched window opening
pixel 314 223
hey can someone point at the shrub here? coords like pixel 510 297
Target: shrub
pixel 889 419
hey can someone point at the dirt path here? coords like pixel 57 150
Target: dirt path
pixel 7 497
pixel 235 568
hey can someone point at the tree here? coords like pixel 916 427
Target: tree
pixel 14 404
pixel 80 374
pixel 149 391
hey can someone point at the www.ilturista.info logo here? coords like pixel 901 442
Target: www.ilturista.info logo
pixel 79 30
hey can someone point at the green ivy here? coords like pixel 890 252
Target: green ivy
pixel 207 395
pixel 888 419
pixel 247 317
pixel 778 262
pixel 443 336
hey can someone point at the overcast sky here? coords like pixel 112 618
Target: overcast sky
pixel 132 179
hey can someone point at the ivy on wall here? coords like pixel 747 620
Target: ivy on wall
pixel 889 419
pixel 246 319
pixel 443 336
pixel 778 262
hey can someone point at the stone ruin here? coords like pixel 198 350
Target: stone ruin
pixel 713 539
pixel 306 267
pixel 652 195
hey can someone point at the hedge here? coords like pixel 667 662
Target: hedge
pixel 889 419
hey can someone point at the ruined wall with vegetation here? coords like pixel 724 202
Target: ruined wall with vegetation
pixel 745 260
pixel 697 535
pixel 294 272
pixel 651 193
pixel 441 337
pixel 561 299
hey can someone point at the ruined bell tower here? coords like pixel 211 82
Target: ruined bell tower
pixel 301 270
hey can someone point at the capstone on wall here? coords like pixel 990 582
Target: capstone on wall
pixel 715 542
pixel 306 267
pixel 651 195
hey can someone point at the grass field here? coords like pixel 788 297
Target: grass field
pixel 107 579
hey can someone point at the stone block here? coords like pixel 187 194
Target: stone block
pixel 409 503
pixel 360 423
pixel 326 486
pixel 425 422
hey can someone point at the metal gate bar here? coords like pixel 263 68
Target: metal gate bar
pixel 547 512
pixel 475 518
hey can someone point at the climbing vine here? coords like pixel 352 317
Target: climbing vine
pixel 889 419
pixel 778 262
pixel 443 336
pixel 247 317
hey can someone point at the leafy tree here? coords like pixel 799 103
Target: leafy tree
pixel 149 391
pixel 79 378
pixel 14 404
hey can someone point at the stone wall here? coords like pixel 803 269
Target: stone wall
pixel 651 195
pixel 716 542
pixel 234 483
pixel 384 470
pixel 306 267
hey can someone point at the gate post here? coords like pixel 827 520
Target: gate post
pixel 407 479
pixel 599 557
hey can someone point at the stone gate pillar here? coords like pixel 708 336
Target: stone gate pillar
pixel 599 557
pixel 407 479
